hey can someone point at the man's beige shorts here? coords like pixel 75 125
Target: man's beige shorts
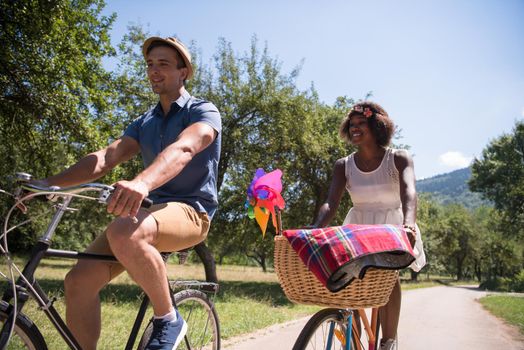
pixel 180 226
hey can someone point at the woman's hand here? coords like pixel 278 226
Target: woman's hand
pixel 308 227
pixel 411 231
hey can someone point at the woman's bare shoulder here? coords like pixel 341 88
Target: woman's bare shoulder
pixel 402 158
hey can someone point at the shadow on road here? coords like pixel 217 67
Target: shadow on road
pixel 465 286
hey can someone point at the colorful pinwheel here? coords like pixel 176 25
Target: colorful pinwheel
pixel 263 195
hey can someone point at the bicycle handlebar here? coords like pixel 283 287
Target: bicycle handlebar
pixel 104 190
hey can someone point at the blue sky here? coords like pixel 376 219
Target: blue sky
pixel 449 73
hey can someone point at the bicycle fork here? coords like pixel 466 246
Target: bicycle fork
pixel 345 339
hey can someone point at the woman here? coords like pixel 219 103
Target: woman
pixel 381 183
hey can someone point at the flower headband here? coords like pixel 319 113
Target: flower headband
pixel 366 111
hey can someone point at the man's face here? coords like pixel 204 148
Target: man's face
pixel 162 71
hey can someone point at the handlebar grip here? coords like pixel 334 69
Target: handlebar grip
pixel 146 203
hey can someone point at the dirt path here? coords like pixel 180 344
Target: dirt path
pixel 432 318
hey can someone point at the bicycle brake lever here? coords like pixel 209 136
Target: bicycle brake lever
pixel 53 197
pixel 23 177
pixel 104 196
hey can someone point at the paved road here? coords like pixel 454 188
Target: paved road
pixel 432 318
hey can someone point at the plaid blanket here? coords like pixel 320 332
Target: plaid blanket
pixel 337 255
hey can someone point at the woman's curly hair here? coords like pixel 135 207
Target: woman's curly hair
pixel 378 119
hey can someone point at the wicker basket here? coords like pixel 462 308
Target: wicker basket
pixel 302 287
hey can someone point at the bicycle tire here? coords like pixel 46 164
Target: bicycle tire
pixel 203 327
pixel 25 333
pixel 315 333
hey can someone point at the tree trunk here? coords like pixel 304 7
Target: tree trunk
pixel 478 271
pixel 263 263
pixel 208 260
pixel 259 258
pixel 459 269
pixel 414 275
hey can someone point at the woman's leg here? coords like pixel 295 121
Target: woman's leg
pixel 390 313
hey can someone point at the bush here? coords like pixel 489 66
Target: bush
pixel 499 284
pixel 505 284
pixel 517 282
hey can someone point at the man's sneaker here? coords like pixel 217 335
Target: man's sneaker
pixel 167 335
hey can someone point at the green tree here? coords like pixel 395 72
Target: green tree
pixel 455 239
pixel 55 96
pixel 429 217
pixel 499 176
pixel 497 253
pixel 266 123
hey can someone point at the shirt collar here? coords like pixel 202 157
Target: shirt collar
pixel 176 105
pixel 182 100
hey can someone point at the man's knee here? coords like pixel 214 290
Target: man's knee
pixel 74 282
pixel 118 235
pixel 84 281
pixel 113 235
pixel 122 235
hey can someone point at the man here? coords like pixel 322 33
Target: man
pixel 179 141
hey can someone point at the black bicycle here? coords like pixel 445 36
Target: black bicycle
pixel 191 298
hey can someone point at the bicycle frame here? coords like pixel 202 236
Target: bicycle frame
pixel 27 286
pixel 369 328
pixel 349 320
pixel 42 250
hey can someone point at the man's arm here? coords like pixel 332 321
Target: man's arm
pixel 96 164
pixel 168 164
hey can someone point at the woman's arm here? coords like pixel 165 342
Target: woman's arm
pixel 336 189
pixel 408 193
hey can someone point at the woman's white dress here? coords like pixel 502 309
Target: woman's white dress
pixel 376 198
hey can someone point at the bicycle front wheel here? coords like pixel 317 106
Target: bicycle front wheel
pixel 325 330
pixel 25 333
pixel 203 330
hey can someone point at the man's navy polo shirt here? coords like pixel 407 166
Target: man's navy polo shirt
pixel 196 184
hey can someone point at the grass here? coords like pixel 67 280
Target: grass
pixel 244 292
pixel 509 308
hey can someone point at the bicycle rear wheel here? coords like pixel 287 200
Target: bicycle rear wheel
pixel 325 330
pixel 203 329
pixel 25 333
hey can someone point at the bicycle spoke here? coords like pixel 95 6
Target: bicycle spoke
pixel 200 320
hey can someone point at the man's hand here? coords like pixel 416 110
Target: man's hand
pixel 126 198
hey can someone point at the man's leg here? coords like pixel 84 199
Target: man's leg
pixel 132 244
pixel 82 285
pixel 165 227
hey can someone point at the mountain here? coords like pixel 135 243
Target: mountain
pixel 451 188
